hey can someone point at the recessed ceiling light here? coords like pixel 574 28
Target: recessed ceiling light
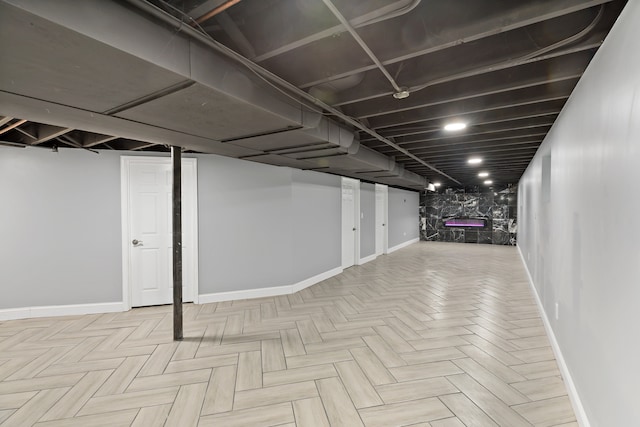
pixel 436 184
pixel 401 94
pixel 488 182
pixel 455 126
pixel 483 174
pixel 474 160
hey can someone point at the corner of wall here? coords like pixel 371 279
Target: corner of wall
pixel 268 292
pixel 403 245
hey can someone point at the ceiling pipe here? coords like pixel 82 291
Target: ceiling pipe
pixel 568 40
pixel 364 46
pixel 394 14
pixel 534 56
pixel 216 11
pixel 530 58
pixel 272 78
pixel 511 63
pixel 370 18
pixel 470 38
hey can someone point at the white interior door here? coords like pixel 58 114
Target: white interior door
pixel 381 219
pixel 350 221
pixel 147 231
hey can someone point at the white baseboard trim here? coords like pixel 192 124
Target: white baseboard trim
pixel 268 292
pixel 296 287
pixel 60 310
pixel 578 408
pixel 244 294
pixel 367 259
pixel 403 245
pixel 112 307
pixel 14 313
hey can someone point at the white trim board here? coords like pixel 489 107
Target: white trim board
pixel 60 310
pixel 113 307
pixel 347 234
pixel 366 259
pixel 403 245
pixel 268 292
pixel 578 408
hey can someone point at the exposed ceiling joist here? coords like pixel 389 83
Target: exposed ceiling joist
pixel 243 45
pixel 478 86
pixel 508 128
pixel 481 148
pixel 12 126
pixel 92 139
pixel 388 11
pixel 325 73
pixel 484 105
pixel 525 14
pixel 46 132
pixel 205 7
pixel 367 94
pixel 418 133
pixel 439 157
pixel 473 139
pixel 461 149
pixel 363 45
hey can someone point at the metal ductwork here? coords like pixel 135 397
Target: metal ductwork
pixel 404 178
pixel 148 82
pixel 325 134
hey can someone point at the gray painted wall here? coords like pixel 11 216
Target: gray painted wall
pixel 403 216
pixel 245 222
pixel 367 219
pixel 578 209
pixel 59 228
pixel 316 223
pixel 259 225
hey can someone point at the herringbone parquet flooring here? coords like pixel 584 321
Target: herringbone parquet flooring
pixel 436 334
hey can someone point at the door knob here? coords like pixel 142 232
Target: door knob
pixel 383 225
pixel 136 242
pixel 354 229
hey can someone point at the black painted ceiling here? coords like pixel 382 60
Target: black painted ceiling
pixel 504 68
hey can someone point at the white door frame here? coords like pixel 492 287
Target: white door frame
pixel 356 216
pixel 384 190
pixel 125 162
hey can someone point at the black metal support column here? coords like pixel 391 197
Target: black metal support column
pixel 176 160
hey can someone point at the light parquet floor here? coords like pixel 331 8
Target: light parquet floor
pixel 436 334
